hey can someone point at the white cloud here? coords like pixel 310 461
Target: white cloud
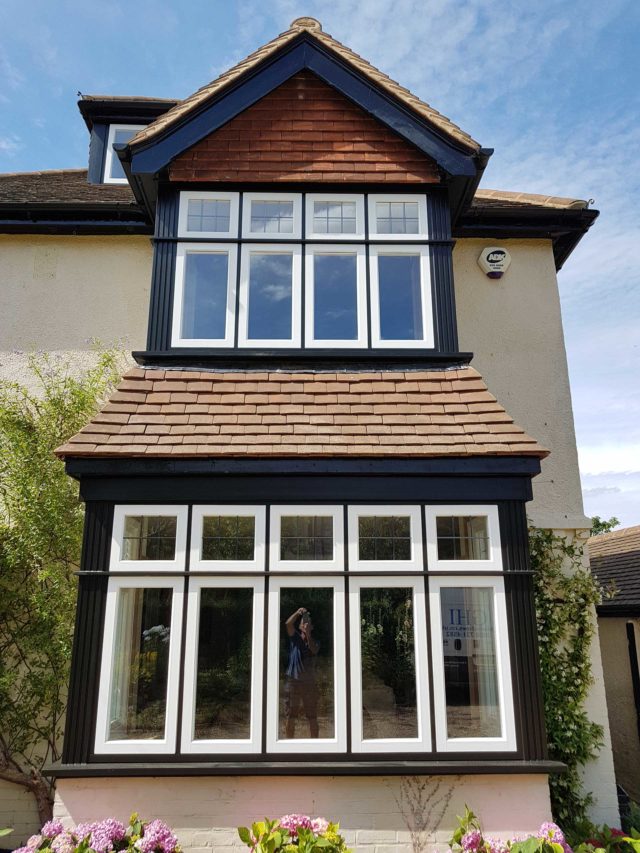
pixel 10 145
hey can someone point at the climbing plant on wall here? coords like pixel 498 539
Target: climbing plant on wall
pixel 566 594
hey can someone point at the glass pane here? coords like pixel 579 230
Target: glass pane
pixel 306 537
pixel 306 696
pixel 138 693
pixel 400 297
pixel 229 537
pixel 462 537
pixel 335 297
pixel 389 702
pixel 470 665
pixel 272 217
pixel 334 217
pixel 397 217
pixel 119 138
pixel 205 214
pixel 149 537
pixel 270 296
pixel 204 303
pixel 223 686
pixel 384 537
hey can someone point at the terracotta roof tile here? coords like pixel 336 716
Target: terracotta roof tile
pixel 281 421
pixel 311 26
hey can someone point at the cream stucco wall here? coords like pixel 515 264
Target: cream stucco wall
pixel 620 700
pixel 62 293
pixel 513 326
pixel 374 812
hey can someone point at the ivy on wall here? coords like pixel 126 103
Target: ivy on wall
pixel 566 593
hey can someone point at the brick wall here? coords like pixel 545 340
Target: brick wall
pixel 304 130
pixel 17 810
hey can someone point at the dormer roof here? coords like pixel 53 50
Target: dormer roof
pixel 313 29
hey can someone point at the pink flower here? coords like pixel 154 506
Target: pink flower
pixel 52 828
pixel 105 834
pixel 497 846
pixel 34 841
pixel 471 840
pixel 85 829
pixel 156 836
pixel 319 825
pixel 551 832
pixel 64 843
pixel 293 822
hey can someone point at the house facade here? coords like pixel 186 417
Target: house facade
pixel 305 581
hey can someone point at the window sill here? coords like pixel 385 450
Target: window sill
pixel 301 768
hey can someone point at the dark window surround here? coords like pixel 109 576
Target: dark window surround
pixel 164 264
pixel 531 753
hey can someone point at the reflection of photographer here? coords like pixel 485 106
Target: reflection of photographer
pixel 300 689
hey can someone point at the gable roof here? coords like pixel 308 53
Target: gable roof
pixel 313 28
pixel 207 414
pixel 615 559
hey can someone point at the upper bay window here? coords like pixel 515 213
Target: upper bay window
pixel 308 629
pixel 297 271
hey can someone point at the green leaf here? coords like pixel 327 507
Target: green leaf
pixel 4 832
pixel 245 835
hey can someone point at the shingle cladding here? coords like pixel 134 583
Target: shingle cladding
pixel 422 413
pixel 615 561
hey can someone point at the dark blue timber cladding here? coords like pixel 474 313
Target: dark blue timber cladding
pixel 85 669
pixel 444 305
pixel 96 543
pixel 303 53
pixel 163 274
pixel 97 151
pixel 523 636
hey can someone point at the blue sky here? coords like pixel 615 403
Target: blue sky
pixel 553 86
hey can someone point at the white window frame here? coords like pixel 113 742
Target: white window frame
pixel 253 743
pixel 507 741
pixel 415 564
pixel 295 341
pixel 427 340
pixel 117 564
pixel 310 200
pixel 184 249
pixel 248 198
pixel 423 225
pixel 104 746
pixel 338 743
pixel 493 564
pixel 192 195
pixel 361 294
pixel 111 156
pixel 198 514
pixel 314 566
pixel 421 743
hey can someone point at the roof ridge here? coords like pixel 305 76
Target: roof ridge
pixel 538 198
pixel 42 172
pixel 314 29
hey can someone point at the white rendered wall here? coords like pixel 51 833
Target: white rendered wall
pixel 373 811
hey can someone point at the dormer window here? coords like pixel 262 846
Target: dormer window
pixel 302 271
pixel 118 135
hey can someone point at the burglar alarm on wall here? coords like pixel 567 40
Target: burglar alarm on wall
pixel 494 261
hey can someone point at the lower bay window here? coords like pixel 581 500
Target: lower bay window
pixel 296 642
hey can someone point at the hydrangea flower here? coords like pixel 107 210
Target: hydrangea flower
pixel 22 850
pixel 471 840
pixel 83 830
pixel 65 842
pixel 551 832
pixel 293 822
pixel 157 836
pixel 105 834
pixel 34 841
pixel 319 825
pixel 52 828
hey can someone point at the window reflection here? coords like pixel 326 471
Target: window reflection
pixel 212 215
pixel 384 537
pixel 400 297
pixel 334 217
pixel 204 308
pixel 306 537
pixel 272 217
pixel 228 537
pixel 470 663
pixel 138 693
pixel 306 695
pixel 462 537
pixel 335 297
pixel 223 686
pixel 270 296
pixel 149 537
pixel 389 698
